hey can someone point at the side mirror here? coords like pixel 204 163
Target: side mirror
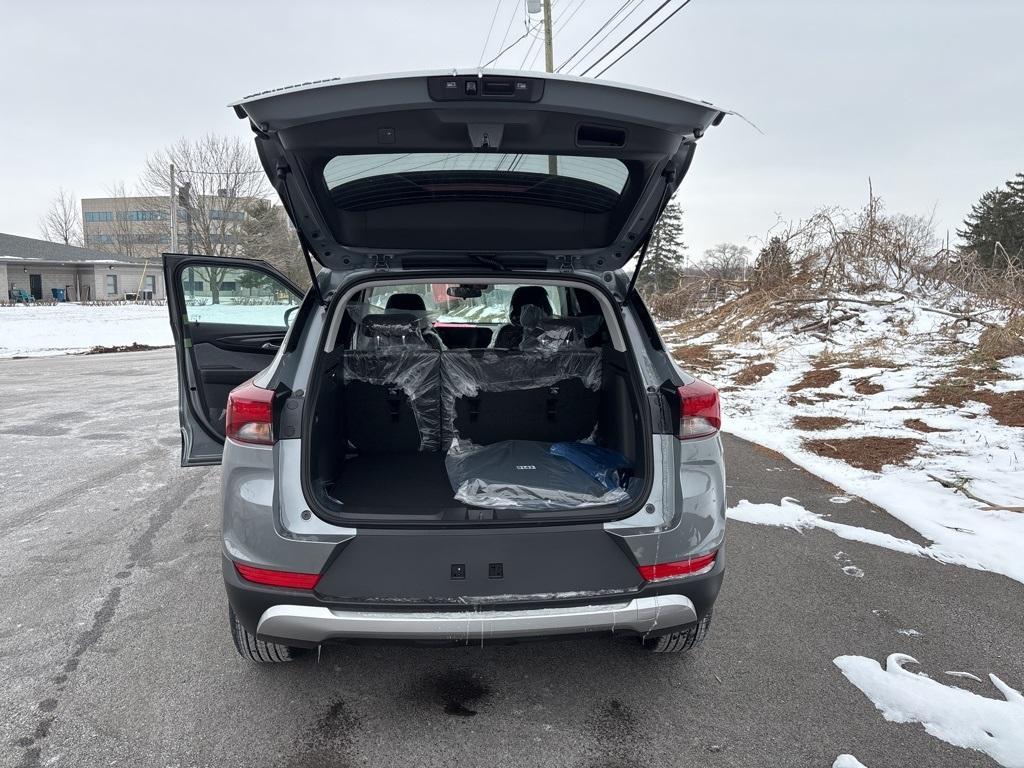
pixel 289 316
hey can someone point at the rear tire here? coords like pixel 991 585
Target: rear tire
pixel 685 639
pixel 251 648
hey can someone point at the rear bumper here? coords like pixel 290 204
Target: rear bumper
pixel 316 624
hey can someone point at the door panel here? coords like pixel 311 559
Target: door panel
pixel 229 318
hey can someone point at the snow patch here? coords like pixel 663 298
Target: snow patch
pixel 62 328
pixel 954 715
pixel 848 761
pixel 790 514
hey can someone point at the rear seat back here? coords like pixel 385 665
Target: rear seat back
pixel 392 400
pixel 493 395
pixel 392 386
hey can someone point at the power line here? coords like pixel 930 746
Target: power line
pixel 497 7
pixel 656 28
pixel 514 43
pixel 599 29
pixel 580 62
pixel 625 37
pixel 511 21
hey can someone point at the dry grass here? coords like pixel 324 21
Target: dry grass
pixel 753 373
pixel 919 426
pixel 816 378
pixel 697 356
pixel 1005 341
pixel 817 423
pixel 866 386
pixel 870 453
pixel 871 361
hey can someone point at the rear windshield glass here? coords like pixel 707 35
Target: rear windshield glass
pixel 464 167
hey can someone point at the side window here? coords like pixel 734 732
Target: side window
pixel 235 296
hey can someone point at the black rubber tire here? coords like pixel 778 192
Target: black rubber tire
pixel 251 648
pixel 687 638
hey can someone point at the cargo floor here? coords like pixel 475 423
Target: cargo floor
pixel 412 482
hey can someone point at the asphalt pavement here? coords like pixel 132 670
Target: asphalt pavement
pixel 114 645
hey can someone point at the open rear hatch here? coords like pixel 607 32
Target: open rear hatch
pixel 418 170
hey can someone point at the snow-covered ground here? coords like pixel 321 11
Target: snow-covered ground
pixel 880 360
pixel 960 717
pixel 62 328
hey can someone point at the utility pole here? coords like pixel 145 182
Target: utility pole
pixel 549 66
pixel 174 213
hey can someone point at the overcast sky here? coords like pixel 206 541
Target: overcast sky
pixel 925 97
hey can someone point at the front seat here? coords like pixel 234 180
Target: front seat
pixel 510 336
pixel 413 302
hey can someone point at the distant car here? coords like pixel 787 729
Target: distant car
pixel 527 463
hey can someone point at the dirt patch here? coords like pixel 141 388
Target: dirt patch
pixel 134 347
pixel 815 399
pixel 1005 407
pixel 753 373
pixel 866 386
pixel 871 361
pixel 815 423
pixel 816 378
pixel 919 426
pixel 871 453
pixel 953 393
pixel 696 355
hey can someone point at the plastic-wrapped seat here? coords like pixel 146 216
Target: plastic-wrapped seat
pixel 392 386
pixel 492 395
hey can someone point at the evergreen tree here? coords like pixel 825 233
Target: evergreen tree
pixel 666 254
pixel 774 263
pixel 996 225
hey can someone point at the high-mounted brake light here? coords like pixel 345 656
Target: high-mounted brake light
pixel 250 415
pixel 700 414
pixel 271 578
pixel 693 566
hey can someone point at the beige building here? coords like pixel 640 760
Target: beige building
pixel 38 268
pixel 140 227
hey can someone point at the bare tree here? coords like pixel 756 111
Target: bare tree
pixel 267 234
pixel 726 261
pixel 218 177
pixel 122 229
pixel 62 222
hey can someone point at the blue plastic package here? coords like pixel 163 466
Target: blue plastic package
pixel 603 464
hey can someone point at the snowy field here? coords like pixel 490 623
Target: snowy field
pixel 877 377
pixel 63 328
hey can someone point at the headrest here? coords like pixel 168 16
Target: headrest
pixel 392 325
pixel 406 301
pixel 528 295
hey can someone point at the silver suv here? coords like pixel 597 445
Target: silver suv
pixel 467 429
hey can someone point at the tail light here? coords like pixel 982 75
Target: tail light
pixel 693 566
pixel 699 412
pixel 250 415
pixel 271 578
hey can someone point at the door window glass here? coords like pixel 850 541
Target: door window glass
pixel 218 293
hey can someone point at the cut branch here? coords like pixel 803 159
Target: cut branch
pixel 962 488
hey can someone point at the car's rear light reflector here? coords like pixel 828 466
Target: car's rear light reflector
pixel 271 578
pixel 250 415
pixel 700 413
pixel 693 566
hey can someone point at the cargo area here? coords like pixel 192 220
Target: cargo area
pixel 464 403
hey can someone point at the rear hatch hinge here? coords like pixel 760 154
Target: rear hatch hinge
pixel 567 263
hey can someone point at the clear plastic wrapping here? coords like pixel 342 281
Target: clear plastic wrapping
pixel 544 333
pixel 522 474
